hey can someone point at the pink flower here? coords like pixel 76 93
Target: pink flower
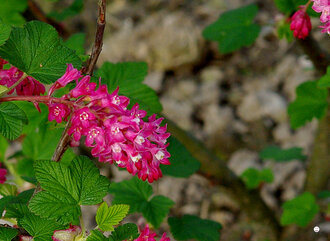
pixel 67 235
pixel 300 24
pixel 326 28
pixel 3 173
pixel 58 112
pixel 147 235
pixel 69 75
pixel 30 86
pixel 324 7
pixel 2 63
pixel 116 134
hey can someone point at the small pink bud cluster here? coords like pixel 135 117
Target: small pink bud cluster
pixel 323 6
pixel 147 235
pixel 3 173
pixel 116 134
pixel 29 86
pixel 301 23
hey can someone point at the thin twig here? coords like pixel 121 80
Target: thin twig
pixel 40 15
pixel 17 83
pixel 98 43
pixel 65 138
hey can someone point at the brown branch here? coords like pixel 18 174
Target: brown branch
pixel 65 138
pixel 41 16
pixel 316 54
pixel 216 170
pixel 98 43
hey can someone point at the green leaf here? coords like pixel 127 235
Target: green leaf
pixel 41 142
pixel 41 229
pixel 253 177
pixel 11 11
pixel 231 26
pixel 107 217
pixel 76 42
pixel 183 164
pixel 324 194
pixel 3 148
pixel 5 30
pixel 157 209
pixel 16 207
pixel 7 189
pixel 11 120
pixel 300 210
pixel 4 201
pixel 7 234
pixel 75 8
pixel 282 155
pixel 129 77
pixel 310 102
pixel 3 90
pixel 66 188
pixel 96 235
pixel 128 231
pixel 37 50
pixel 284 31
pixel 324 82
pixel 192 227
pixel 136 194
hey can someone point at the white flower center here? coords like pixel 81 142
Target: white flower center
pixel 136 158
pixel 83 116
pixel 159 155
pixel 116 148
pixel 114 130
pixel 139 140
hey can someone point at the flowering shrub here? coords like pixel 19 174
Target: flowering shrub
pixel 55 107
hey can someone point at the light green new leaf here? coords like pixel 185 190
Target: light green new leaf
pixel 310 102
pixel 11 120
pixel 129 77
pixel 37 50
pixel 300 210
pixel 183 164
pixel 282 155
pixel 234 29
pixel 107 217
pixel 7 189
pixel 128 231
pixel 192 227
pixel 136 194
pixel 41 229
pixel 253 177
pixel 11 11
pixel 7 234
pixel 66 188
pixel 324 82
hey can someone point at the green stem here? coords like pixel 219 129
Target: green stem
pixel 16 83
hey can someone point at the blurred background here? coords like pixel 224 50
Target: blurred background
pixel 236 104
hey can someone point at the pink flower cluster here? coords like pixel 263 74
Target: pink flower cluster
pixel 3 173
pixel 29 86
pixel 147 235
pixel 301 23
pixel 323 6
pixel 115 134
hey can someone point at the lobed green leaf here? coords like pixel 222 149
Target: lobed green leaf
pixel 253 177
pixel 282 155
pixel 38 51
pixel 107 217
pixel 192 227
pixel 231 26
pixel 128 231
pixel 8 234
